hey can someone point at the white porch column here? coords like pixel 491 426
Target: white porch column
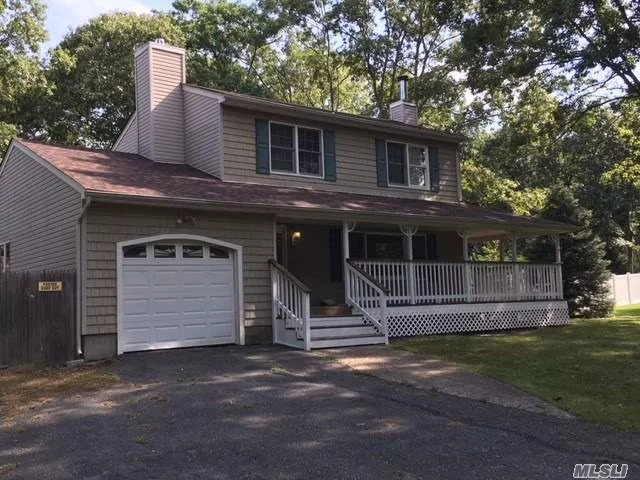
pixel 514 266
pixel 409 231
pixel 559 289
pixel 467 266
pixel 347 227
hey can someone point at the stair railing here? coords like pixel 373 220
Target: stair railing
pixel 291 302
pixel 367 296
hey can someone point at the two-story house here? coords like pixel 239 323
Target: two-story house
pixel 224 218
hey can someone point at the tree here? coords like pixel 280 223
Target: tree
pixel 91 73
pixel 584 267
pixel 21 32
pixel 224 40
pixel 593 44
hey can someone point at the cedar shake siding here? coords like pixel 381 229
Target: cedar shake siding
pixel 38 215
pixel 203 133
pixel 128 141
pixel 106 225
pixel 355 159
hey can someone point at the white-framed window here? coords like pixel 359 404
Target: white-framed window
pixel 5 255
pixel 407 165
pixel 295 150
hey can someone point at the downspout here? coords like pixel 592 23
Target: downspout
pixel 84 202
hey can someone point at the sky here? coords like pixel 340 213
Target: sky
pixel 65 15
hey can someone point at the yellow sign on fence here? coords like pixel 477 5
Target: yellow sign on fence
pixel 49 286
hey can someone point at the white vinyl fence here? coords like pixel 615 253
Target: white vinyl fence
pixel 625 289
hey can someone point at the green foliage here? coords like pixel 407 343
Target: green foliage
pixel 584 267
pixel 21 32
pixel 592 43
pixel 92 80
pixel 224 40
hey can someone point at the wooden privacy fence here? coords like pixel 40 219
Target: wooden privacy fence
pixel 37 320
pixel 625 289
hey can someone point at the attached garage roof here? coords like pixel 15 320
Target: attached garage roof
pixel 133 178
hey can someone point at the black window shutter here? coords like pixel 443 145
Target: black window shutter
pixel 329 148
pixel 381 162
pixel 434 169
pixel 262 146
pixel 432 247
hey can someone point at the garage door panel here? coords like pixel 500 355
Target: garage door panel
pixel 222 331
pixel 166 333
pixel 136 278
pixel 170 303
pixel 136 306
pixel 165 278
pixel 165 305
pixel 195 305
pixel 137 336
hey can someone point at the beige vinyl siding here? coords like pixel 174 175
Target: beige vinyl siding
pixel 143 103
pixel 106 225
pixel 38 215
pixel 128 141
pixel 355 160
pixel 167 107
pixel 203 133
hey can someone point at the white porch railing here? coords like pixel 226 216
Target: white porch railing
pixel 367 296
pixel 292 304
pixel 414 282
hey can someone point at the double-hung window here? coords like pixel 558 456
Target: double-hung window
pixel 295 150
pixel 407 165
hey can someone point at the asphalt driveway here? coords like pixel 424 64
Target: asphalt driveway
pixel 272 413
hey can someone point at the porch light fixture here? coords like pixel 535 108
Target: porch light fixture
pixel 296 237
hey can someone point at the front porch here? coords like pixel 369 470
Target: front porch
pixel 358 284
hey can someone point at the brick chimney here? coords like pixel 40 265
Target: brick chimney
pixel 160 72
pixel 403 110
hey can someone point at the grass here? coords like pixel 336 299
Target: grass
pixel 25 388
pixel 590 368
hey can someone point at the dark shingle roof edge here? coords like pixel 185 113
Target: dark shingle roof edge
pixel 261 104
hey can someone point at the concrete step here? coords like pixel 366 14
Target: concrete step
pixel 342 321
pixel 347 341
pixel 344 331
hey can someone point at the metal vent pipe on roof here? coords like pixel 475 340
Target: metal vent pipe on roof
pixel 403 82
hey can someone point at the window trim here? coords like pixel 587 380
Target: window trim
pixel 296 162
pixel 427 170
pixel 366 233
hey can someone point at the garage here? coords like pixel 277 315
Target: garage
pixel 176 293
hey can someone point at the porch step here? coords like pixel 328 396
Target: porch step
pixel 331 311
pixel 347 341
pixel 343 321
pixel 342 332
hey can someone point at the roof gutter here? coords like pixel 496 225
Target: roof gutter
pixel 449 222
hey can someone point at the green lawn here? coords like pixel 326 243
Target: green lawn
pixel 591 368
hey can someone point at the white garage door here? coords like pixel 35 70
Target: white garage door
pixel 176 295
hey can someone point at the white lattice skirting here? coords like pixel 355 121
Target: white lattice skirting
pixel 473 317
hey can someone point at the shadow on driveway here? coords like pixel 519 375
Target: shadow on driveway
pixel 272 413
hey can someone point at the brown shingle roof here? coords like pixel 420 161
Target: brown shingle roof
pixel 120 174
